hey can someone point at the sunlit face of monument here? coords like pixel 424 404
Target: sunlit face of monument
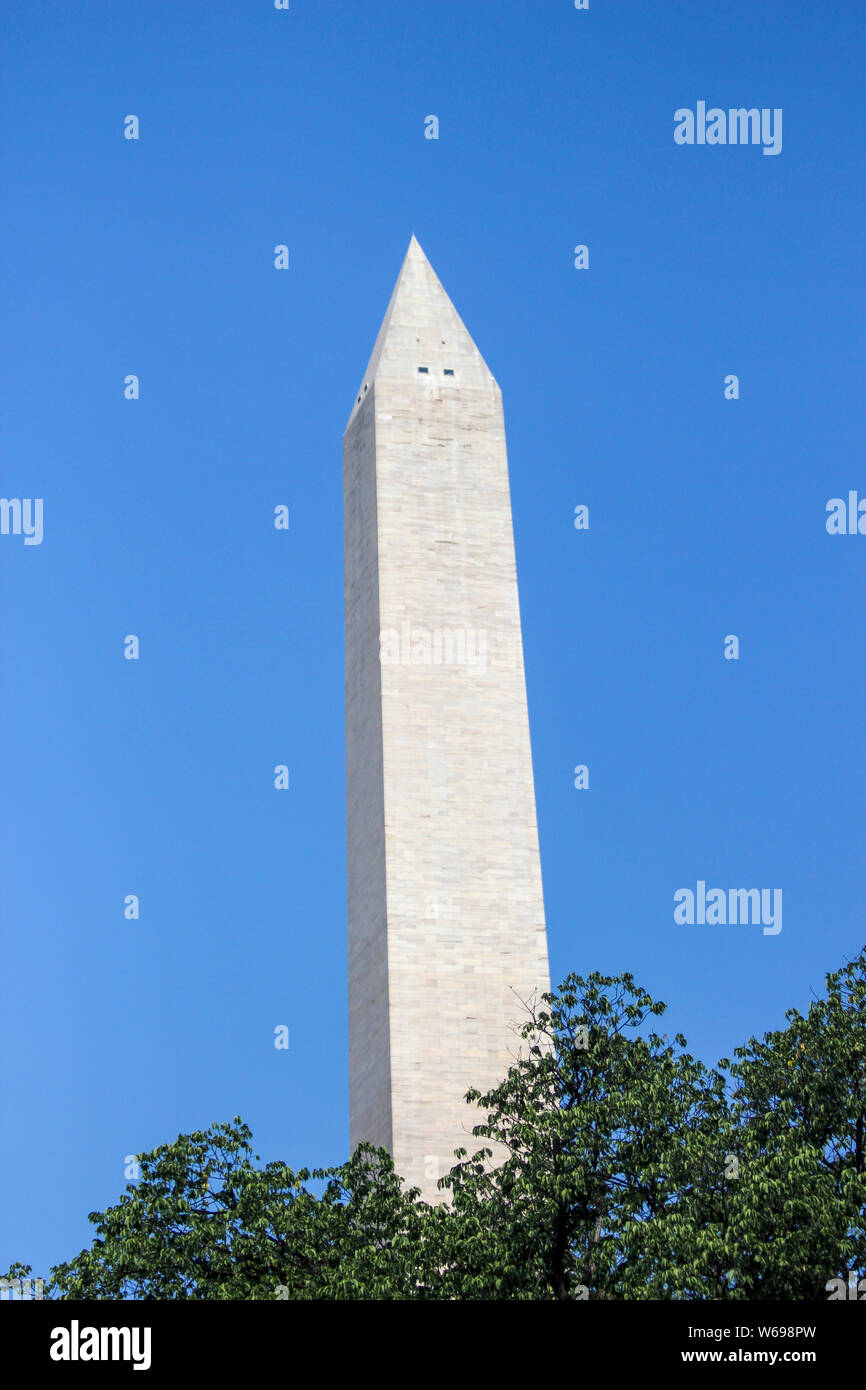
pixel 446 918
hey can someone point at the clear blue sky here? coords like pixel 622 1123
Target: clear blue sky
pixel 707 517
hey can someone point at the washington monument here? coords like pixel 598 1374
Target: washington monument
pixel 446 917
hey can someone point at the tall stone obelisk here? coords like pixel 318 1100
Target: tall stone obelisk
pixel 446 916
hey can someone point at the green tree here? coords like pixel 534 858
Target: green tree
pixel 599 1128
pixel 628 1170
pixel 612 1164
pixel 800 1105
pixel 205 1222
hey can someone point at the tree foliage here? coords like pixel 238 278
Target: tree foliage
pixel 611 1164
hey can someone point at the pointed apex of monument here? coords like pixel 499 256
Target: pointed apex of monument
pixel 422 337
pixel 414 252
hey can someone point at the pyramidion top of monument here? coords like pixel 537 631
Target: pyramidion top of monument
pixel 422 337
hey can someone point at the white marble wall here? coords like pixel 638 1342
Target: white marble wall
pixel 446 918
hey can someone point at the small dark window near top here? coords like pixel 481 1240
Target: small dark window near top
pixel 449 371
pixel 424 370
